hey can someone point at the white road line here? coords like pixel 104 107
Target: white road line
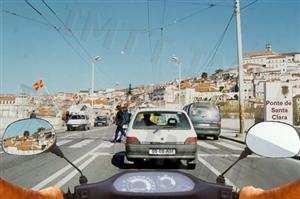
pixel 206 145
pixel 63 170
pixel 63 181
pixel 226 155
pixel 214 170
pixel 231 146
pixel 82 143
pixel 62 142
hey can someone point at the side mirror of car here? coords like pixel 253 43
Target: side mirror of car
pixel 273 139
pixel 28 137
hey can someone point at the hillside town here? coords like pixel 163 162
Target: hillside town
pixel 220 88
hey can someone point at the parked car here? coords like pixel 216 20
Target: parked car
pixel 155 133
pixel 78 122
pixel 101 121
pixel 205 118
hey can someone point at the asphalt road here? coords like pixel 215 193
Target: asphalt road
pixel 100 159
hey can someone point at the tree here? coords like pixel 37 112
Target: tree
pixel 40 129
pixel 26 134
pixel 219 71
pixel 221 88
pixel 236 97
pixel 236 88
pixel 226 76
pixel 204 75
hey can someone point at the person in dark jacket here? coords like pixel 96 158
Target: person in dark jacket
pixel 119 121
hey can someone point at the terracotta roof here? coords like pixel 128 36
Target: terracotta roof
pixel 258 54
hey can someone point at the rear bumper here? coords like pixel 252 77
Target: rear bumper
pixel 76 126
pixel 213 131
pixel 141 151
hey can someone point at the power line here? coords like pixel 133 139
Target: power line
pixel 184 18
pixel 69 29
pixel 75 38
pixel 214 51
pixel 24 17
pixel 149 34
pixel 57 30
pixel 249 4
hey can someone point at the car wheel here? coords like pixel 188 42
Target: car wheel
pixel 68 129
pixel 216 137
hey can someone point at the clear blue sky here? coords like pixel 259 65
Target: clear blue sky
pixel 30 50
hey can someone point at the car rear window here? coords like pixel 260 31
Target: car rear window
pixel 205 114
pixel 161 120
pixel 77 117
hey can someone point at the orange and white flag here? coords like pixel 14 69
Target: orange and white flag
pixel 39 84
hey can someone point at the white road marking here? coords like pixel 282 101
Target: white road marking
pixel 64 169
pixel 214 170
pixel 82 143
pixel 206 145
pixel 226 155
pixel 231 146
pixel 1 152
pixel 62 142
pixel 63 181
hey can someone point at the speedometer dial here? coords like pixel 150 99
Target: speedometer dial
pixel 153 182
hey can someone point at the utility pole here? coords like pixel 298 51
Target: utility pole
pixel 240 63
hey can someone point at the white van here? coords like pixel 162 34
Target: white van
pixel 79 122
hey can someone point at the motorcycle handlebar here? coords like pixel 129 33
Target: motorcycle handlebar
pixel 287 191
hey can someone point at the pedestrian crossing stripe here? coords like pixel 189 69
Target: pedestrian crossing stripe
pixel 231 146
pixel 62 142
pixel 82 143
pixel 206 145
pixel 223 143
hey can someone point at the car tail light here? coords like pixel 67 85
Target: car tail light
pixel 132 140
pixel 191 140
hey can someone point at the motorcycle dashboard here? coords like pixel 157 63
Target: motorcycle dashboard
pixel 152 184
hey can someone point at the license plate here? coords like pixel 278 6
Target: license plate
pixel 162 151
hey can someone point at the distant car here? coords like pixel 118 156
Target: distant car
pixel 155 133
pixel 101 121
pixel 78 122
pixel 205 118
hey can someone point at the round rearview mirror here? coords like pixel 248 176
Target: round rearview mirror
pixel 28 137
pixel 273 139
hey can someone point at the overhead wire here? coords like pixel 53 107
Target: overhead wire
pixel 25 17
pixel 184 18
pixel 215 49
pixel 75 37
pixel 57 30
pixel 249 4
pixel 149 35
pixel 68 29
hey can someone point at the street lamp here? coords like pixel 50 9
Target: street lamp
pixel 94 61
pixel 177 61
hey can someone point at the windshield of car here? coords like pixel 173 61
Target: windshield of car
pixel 205 114
pixel 101 118
pixel 77 117
pixel 161 120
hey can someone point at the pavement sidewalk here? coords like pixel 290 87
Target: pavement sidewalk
pixel 233 134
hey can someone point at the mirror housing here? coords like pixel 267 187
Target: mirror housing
pixel 273 140
pixel 28 137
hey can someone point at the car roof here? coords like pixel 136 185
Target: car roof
pixel 159 109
